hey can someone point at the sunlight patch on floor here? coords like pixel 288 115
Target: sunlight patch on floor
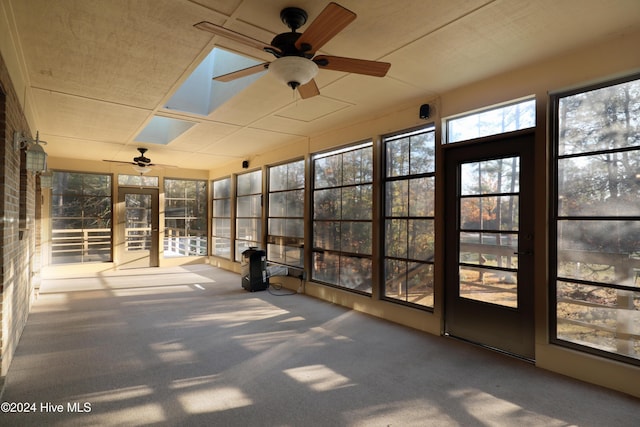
pixel 167 289
pixel 265 340
pixel 173 352
pixel 116 395
pixel 319 377
pixel 213 400
pixel 498 411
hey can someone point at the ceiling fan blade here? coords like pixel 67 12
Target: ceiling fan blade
pixel 242 73
pixel 333 19
pixel 308 90
pixel 352 65
pixel 118 161
pixel 232 35
pixel 159 165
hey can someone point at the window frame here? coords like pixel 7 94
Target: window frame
pixel 350 255
pixel 284 240
pixel 259 232
pixel 446 134
pixel 387 216
pixel 187 218
pixel 214 217
pixel 110 203
pixel 555 218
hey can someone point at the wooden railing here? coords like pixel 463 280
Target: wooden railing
pixel 177 244
pixel 80 245
pixel 87 245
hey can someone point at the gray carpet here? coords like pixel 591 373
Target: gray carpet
pixel 188 346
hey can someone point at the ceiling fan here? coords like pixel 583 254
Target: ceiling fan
pixel 296 62
pixel 141 163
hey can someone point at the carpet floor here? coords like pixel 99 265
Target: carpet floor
pixel 188 346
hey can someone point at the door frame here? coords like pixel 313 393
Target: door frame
pixel 120 238
pixel 507 329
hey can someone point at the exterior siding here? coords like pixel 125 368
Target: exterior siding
pixel 17 227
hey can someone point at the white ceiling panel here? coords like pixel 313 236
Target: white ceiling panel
pixel 97 71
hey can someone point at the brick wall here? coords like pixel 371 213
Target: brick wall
pixel 17 225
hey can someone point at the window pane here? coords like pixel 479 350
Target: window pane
pixel 355 273
pixel 597 221
pixel 397 198
pixel 355 237
pixel 81 214
pixel 603 251
pixel 249 206
pixel 248 229
pixel 396 241
pixel 489 213
pixel 492 121
pixel 286 212
pixel 599 317
pixel 423 153
pixel 185 217
pixel 357 166
pixel 498 250
pixel 222 188
pixel 138 180
pixel 421 239
pixel 488 285
pixel 342 216
pixel 491 176
pixel 421 196
pixel 601 119
pixel 221 247
pixel 278 178
pixel 326 267
pixel 221 218
pixel 249 183
pixel 356 202
pixel 277 204
pixel 328 171
pixel 326 235
pixel 222 207
pixel 409 281
pixel 409 208
pixel 398 157
pixel 222 227
pixel 605 185
pixel 294 228
pixel 295 203
pixel 326 203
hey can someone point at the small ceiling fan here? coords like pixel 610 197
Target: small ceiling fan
pixel 296 62
pixel 141 163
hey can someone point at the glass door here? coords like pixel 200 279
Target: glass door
pixel 489 235
pixel 138 228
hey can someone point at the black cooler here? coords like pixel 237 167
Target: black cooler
pixel 254 270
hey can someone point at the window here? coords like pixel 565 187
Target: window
pixel 221 218
pixel 248 212
pixel 185 217
pixel 138 180
pixel 342 206
pixel 492 121
pixel 80 217
pixel 596 220
pixel 409 217
pixel 286 214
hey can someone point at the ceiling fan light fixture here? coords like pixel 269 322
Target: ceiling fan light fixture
pixel 141 169
pixel 293 70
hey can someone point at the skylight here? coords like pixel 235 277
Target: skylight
pixel 163 130
pixel 199 94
